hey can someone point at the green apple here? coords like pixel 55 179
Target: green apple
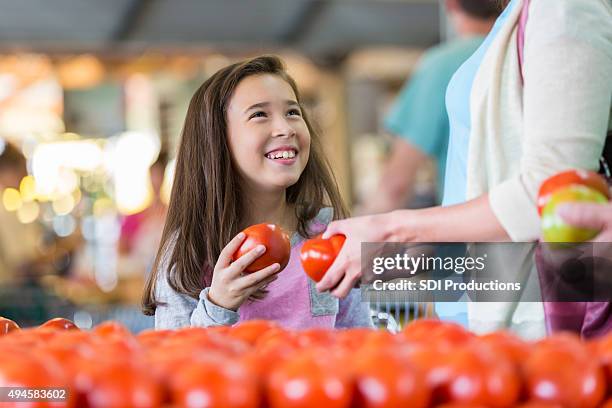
pixel 554 229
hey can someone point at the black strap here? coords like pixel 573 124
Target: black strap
pixel 605 161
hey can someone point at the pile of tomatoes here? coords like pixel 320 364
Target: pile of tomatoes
pixel 259 364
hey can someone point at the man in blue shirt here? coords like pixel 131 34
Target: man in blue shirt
pixel 418 119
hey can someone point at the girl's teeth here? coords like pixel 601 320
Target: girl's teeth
pixel 282 155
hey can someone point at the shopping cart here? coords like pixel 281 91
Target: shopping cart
pixel 395 312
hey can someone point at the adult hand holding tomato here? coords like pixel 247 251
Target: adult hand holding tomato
pixel 555 229
pixel 318 254
pixel 346 268
pixel 230 286
pixel 569 186
pixel 593 216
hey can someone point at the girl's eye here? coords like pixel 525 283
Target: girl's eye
pixel 258 114
pixel 295 112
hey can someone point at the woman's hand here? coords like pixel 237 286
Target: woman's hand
pixel 346 269
pixel 230 288
pixel 595 216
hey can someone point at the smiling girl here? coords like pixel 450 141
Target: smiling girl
pixel 248 155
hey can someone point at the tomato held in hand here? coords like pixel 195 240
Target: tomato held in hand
pixel 7 326
pixel 567 178
pixel 554 229
pixel 276 241
pixel 318 254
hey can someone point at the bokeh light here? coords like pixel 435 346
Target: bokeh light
pixel 27 188
pixel 29 212
pixel 11 199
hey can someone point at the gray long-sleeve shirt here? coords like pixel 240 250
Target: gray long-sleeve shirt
pixel 293 300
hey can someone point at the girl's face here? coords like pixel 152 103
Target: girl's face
pixel 268 138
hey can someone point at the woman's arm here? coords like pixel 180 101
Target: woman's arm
pixel 472 221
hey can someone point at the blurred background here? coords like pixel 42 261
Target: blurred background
pixel 93 96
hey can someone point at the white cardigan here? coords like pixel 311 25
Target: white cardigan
pixel 521 135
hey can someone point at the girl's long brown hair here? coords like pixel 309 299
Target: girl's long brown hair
pixel 206 203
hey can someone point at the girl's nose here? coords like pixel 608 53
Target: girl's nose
pixel 283 128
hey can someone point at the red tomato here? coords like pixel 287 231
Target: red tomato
pixel 276 241
pixel 436 332
pixel 471 375
pixel 7 326
pixel 111 328
pixel 58 324
pixel 382 380
pixel 603 349
pixel 458 405
pixel 152 338
pixel 564 179
pixel 352 339
pixel 117 386
pixel 274 347
pixel 318 254
pixel 558 371
pixel 30 371
pixel 506 343
pixel 478 376
pixel 380 339
pixel 212 385
pixel 307 381
pixel 337 241
pixel 251 330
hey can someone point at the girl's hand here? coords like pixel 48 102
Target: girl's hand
pixel 230 288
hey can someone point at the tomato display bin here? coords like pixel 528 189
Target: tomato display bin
pixel 259 364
